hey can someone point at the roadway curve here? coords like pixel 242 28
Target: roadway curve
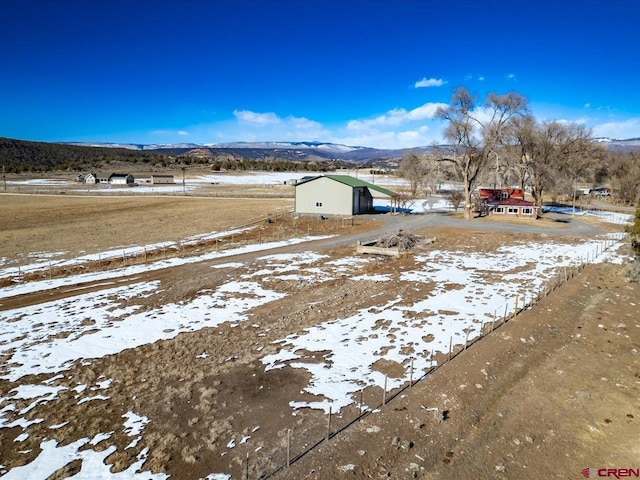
pixel 391 223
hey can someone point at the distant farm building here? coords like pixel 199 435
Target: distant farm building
pixel 103 177
pixel 338 195
pixel 107 178
pixel 162 179
pixel 90 178
pixel 507 201
pixel 154 179
pixel 121 179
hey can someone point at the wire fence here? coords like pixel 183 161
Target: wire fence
pixel 473 334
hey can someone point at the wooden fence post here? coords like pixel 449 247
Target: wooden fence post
pixel 384 391
pixel 411 374
pixel 288 447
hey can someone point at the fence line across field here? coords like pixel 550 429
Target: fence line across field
pixel 454 350
pixel 144 254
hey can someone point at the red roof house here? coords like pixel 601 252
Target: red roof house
pixel 507 201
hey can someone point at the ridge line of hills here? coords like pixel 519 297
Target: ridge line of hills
pixel 18 156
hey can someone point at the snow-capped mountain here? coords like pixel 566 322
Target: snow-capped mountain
pixel 619 144
pixel 134 146
pixel 328 147
pixel 306 150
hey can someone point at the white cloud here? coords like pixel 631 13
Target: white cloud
pixel 397 128
pixel 587 105
pixel 268 126
pixel 253 118
pixel 386 139
pixel 396 117
pixel 428 110
pixel 301 123
pixel 481 78
pixel 511 76
pixel 625 129
pixel 578 121
pixel 169 133
pixel 429 82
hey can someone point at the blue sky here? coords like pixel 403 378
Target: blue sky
pixel 356 72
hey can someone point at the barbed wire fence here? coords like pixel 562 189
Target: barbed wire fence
pixel 522 301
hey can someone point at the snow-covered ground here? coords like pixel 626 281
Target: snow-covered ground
pixel 610 217
pixel 47 338
pixel 193 183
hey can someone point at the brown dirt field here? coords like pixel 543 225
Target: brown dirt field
pixel 553 392
pixel 86 225
pixel 547 394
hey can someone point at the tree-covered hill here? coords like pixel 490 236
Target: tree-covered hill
pixel 19 156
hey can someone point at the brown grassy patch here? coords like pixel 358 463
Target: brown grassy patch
pixel 77 225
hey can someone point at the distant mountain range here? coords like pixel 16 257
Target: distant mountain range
pixel 307 150
pixel 261 150
pixel 22 156
pixel 627 145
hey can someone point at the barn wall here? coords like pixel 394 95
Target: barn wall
pixel 335 198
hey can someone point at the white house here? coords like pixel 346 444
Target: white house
pixel 121 179
pixel 91 178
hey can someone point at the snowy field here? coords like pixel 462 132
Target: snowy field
pixel 193 184
pixel 46 339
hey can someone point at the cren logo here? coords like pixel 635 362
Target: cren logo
pixel 611 472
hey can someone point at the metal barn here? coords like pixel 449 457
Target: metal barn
pixel 337 195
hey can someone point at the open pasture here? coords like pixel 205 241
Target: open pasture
pixel 51 226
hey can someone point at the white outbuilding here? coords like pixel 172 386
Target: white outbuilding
pixel 337 195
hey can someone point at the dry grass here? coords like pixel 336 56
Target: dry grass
pixel 40 223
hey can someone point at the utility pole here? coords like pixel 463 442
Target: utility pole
pixel 184 186
pixel 573 206
pixel 4 178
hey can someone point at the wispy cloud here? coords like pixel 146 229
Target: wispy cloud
pixel 169 133
pixel 388 139
pixel 624 129
pixel 253 118
pixel 397 128
pixel 579 121
pixel 397 116
pixel 429 82
pixel 511 76
pixel 268 126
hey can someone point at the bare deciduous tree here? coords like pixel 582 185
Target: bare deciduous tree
pixel 413 169
pixel 455 197
pixel 475 132
pixel 552 153
pixel 623 170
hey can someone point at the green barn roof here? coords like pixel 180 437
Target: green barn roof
pixel 353 182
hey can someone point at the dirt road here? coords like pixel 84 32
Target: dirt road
pixel 382 224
